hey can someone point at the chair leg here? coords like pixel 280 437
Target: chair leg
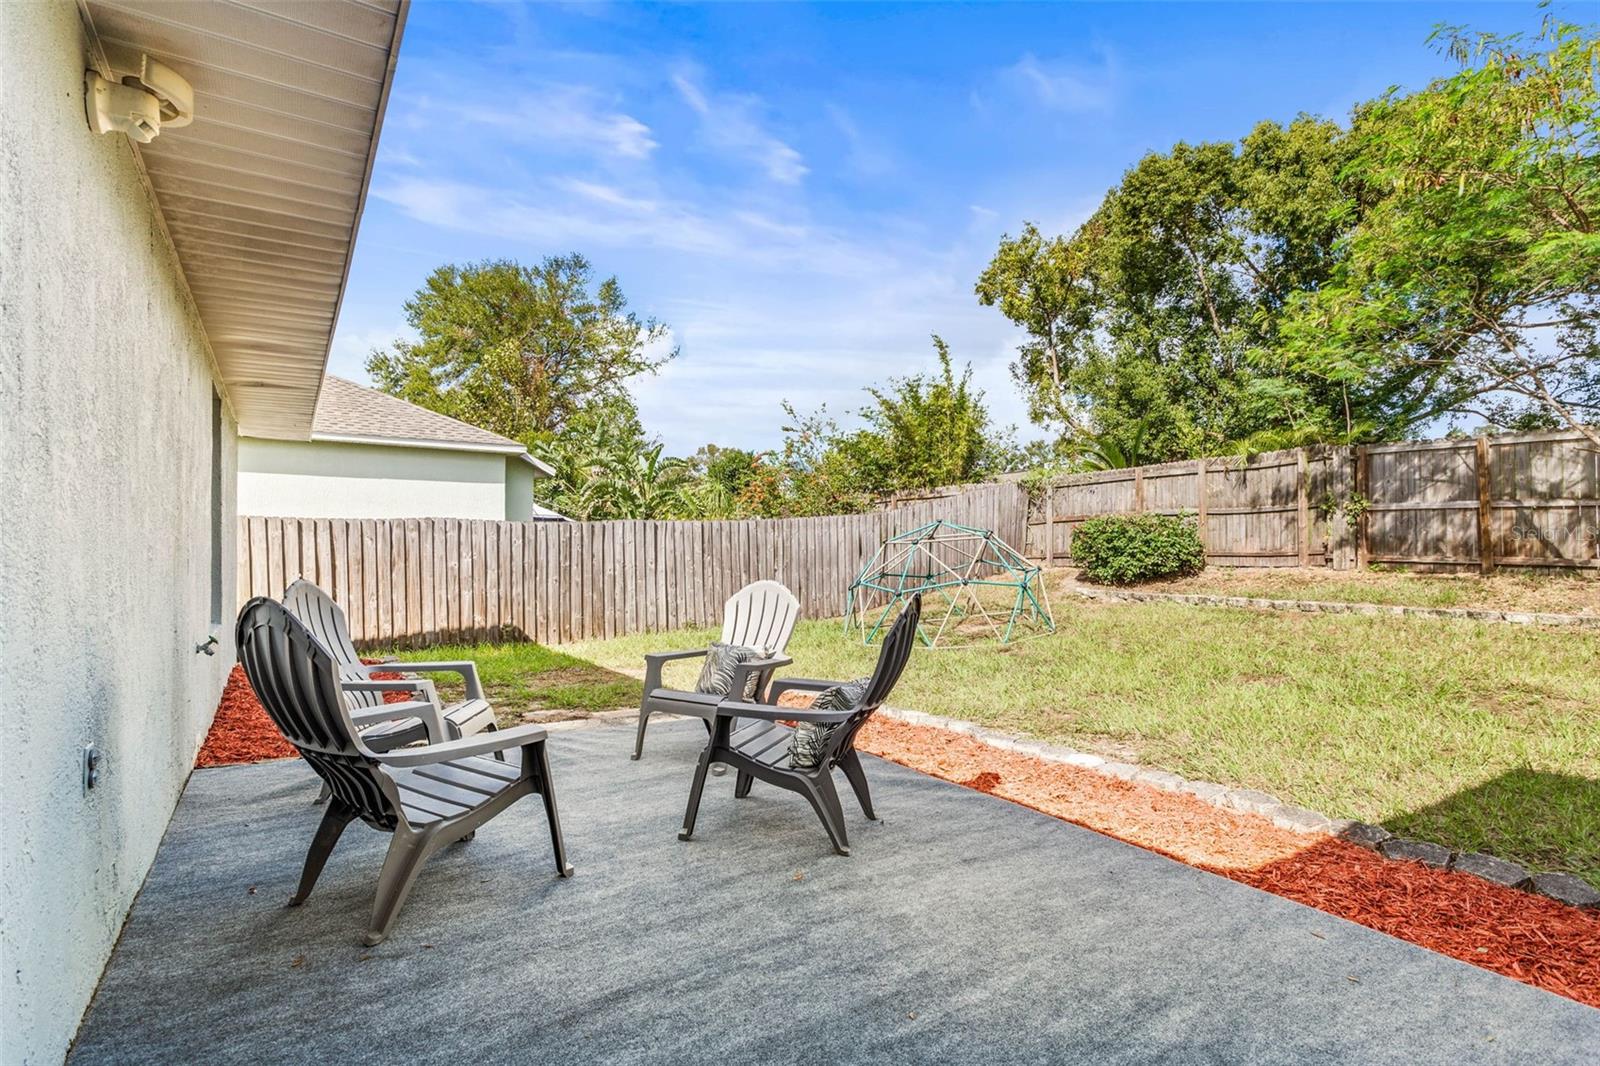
pixel 323 796
pixel 741 785
pixel 638 740
pixel 851 765
pixel 717 769
pixel 693 810
pixel 825 801
pixel 334 818
pixel 407 853
pixel 547 792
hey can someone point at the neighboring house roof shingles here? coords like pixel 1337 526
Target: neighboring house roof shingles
pixel 350 410
pixel 354 413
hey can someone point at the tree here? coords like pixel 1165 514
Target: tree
pixel 925 430
pixel 516 349
pixel 1148 314
pixel 919 431
pixel 1473 283
pixel 605 467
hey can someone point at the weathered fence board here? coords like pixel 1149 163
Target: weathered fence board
pixel 422 581
pixel 1528 499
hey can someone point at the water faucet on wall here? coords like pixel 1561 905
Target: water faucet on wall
pixel 208 648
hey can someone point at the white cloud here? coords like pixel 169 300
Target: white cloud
pixel 573 116
pixel 865 156
pixel 1060 85
pixel 731 123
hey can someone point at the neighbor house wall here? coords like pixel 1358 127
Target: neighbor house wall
pixel 520 477
pixel 324 479
pixel 106 408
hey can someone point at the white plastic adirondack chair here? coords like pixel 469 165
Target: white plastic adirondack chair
pixel 761 615
pixel 317 612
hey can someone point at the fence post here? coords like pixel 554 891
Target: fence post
pixel 1485 534
pixel 1361 478
pixel 1138 488
pixel 1302 509
pixel 1049 523
pixel 1200 504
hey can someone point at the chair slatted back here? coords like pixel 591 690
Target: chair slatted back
pixel 297 681
pixel 317 612
pixel 892 659
pixel 760 615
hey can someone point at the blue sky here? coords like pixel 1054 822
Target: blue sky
pixel 805 193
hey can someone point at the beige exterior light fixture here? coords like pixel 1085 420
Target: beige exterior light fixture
pixel 145 97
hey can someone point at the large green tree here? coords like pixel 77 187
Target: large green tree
pixel 1472 285
pixel 606 467
pixel 1142 322
pixel 518 349
pixel 919 431
pixel 1436 257
pixel 925 430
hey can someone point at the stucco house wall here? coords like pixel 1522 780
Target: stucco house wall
pixel 520 477
pixel 106 563
pixel 327 479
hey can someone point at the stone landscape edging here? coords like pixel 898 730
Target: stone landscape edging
pixel 1562 887
pixel 1474 614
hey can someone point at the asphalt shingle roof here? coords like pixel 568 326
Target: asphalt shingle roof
pixel 346 409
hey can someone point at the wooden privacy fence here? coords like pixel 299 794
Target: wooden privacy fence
pixel 1257 512
pixel 1529 500
pixel 418 581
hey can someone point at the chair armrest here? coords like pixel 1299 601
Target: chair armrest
pixel 668 656
pixel 467 669
pixel 767 712
pixel 803 684
pixel 410 709
pixel 758 667
pixel 477 744
pixel 427 710
pixel 418 685
pixel 655 660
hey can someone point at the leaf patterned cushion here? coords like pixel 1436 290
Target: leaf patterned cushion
pixel 809 738
pixel 716 676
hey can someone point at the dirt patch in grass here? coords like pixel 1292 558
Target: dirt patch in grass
pixel 1505 591
pixel 1529 938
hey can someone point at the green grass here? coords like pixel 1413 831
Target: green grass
pixel 519 678
pixel 1478 736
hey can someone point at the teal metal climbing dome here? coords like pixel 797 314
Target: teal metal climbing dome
pixel 985 586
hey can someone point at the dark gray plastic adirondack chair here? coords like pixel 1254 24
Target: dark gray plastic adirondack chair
pixel 760 615
pixel 426 797
pixel 317 612
pixel 747 737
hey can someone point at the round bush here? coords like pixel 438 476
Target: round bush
pixel 1123 549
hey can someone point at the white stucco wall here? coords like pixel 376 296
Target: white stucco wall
pixel 324 479
pixel 105 535
pixel 520 477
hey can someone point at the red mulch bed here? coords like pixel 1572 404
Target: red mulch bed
pixel 242 732
pixel 1530 938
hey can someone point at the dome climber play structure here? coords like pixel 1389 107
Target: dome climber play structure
pixel 973 584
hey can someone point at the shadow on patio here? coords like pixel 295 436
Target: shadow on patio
pixel 964 929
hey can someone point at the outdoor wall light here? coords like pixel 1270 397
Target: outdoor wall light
pixel 145 97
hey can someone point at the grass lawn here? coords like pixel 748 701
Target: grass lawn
pixel 523 678
pixel 1479 736
pixel 1504 591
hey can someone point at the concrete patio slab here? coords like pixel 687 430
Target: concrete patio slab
pixel 963 929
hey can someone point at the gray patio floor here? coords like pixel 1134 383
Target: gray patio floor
pixel 963 929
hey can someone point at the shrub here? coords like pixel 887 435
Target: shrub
pixel 1123 549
